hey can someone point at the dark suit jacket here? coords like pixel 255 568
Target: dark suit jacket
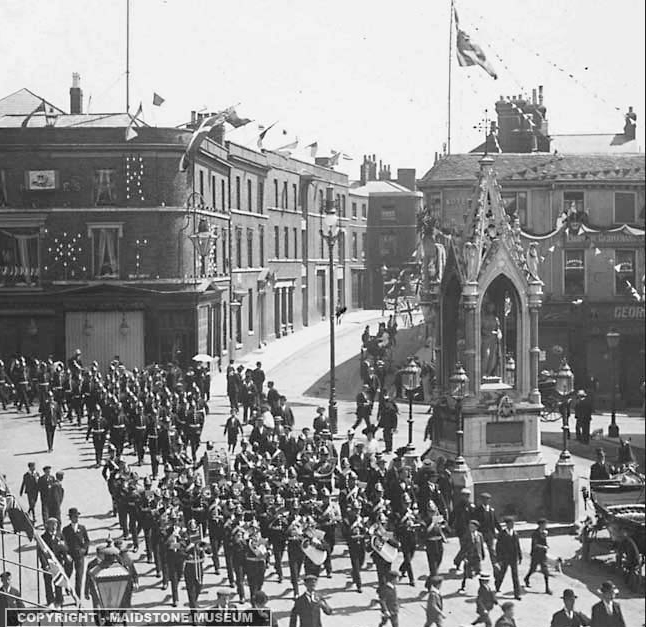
pixel 600 617
pixel 29 484
pixel 44 487
pixel 77 542
pixel 309 613
pixel 508 547
pixel 561 620
pixel 8 602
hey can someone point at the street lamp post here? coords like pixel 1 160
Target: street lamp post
pixel 459 382
pixel 612 338
pixel 330 233
pixel 410 382
pixel 564 387
pixel 203 239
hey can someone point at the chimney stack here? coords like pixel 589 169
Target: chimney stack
pixel 630 127
pixel 76 95
pixel 534 96
pixel 540 95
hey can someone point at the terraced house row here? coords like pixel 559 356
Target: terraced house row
pixel 106 246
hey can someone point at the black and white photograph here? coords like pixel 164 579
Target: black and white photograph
pixel 322 313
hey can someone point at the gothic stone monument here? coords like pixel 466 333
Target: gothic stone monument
pixel 481 295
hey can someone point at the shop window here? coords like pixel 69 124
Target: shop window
pixel 624 207
pixel 574 272
pixel 105 187
pixel 624 271
pixel 105 249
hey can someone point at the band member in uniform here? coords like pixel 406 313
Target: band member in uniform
pixel 278 538
pixel 434 540
pixel 175 554
pixel 215 522
pixel 294 539
pixel 328 519
pixel 194 562
pixel 152 439
pixel 139 432
pixel 97 427
pixel 255 560
pixel 406 534
pixel 388 600
pixel 356 536
pixel 118 429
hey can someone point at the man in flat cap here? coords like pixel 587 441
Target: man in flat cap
pixel 509 555
pixel 538 554
pixel 568 616
pixel 308 607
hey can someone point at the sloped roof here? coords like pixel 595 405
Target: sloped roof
pixel 383 187
pixel 540 167
pixel 596 143
pixel 84 120
pixel 23 102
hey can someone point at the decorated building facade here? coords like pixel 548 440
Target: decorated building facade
pixel 106 246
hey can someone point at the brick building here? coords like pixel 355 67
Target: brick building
pixel 391 217
pixel 96 230
pixel 588 260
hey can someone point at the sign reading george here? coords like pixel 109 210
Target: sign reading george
pixel 629 312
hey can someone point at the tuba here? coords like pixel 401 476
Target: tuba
pixel 257 545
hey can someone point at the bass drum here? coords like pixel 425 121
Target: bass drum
pixel 383 548
pixel 314 552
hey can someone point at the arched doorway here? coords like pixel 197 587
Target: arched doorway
pixel 500 332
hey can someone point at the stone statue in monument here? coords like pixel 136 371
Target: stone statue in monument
pixel 491 341
pixel 533 260
pixel 471 255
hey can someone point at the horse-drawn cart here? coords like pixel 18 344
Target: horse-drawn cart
pixel 619 509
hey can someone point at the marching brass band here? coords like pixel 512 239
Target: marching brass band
pixel 274 497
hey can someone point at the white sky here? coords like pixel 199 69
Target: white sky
pixel 361 76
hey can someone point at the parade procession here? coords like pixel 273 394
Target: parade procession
pixel 250 374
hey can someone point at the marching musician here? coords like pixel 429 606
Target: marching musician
pixel 255 559
pixel 434 540
pixel 379 536
pixel 215 524
pixel 174 555
pixel 406 534
pixel 195 552
pixel 295 531
pixel 328 518
pixel 51 418
pixel 97 427
pixel 356 537
pixel 277 533
pixel 139 432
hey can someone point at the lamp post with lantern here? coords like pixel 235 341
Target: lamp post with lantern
pixel 330 233
pixel 410 377
pixel 564 388
pixel 459 382
pixel 612 338
pixel 202 237
pixel 110 582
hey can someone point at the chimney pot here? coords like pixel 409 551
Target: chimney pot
pixel 534 96
pixel 76 95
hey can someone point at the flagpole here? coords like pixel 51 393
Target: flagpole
pixel 127 56
pixel 448 137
